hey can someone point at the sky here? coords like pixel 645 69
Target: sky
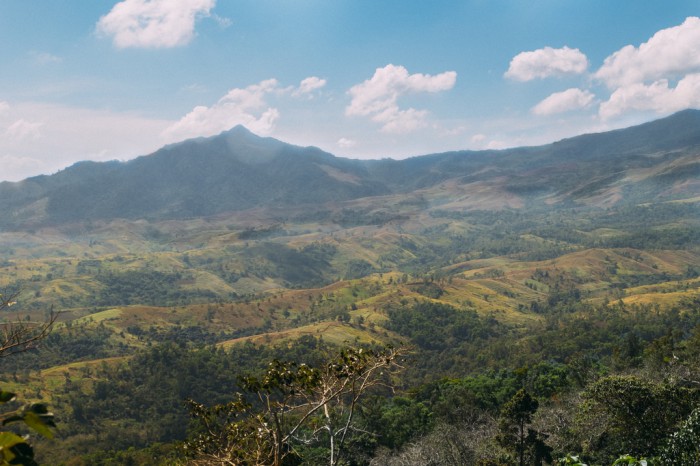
pixel 113 80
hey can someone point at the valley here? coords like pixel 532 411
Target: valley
pixel 547 268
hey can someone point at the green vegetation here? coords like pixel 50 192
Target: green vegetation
pixel 551 319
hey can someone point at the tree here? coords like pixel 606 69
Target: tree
pixel 632 414
pixel 15 338
pixel 515 433
pixel 290 406
pixel 683 447
pixel 19 336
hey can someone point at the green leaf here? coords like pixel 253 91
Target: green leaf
pixel 37 423
pixel 38 417
pixel 8 439
pixel 6 397
pixel 11 419
pixel 15 450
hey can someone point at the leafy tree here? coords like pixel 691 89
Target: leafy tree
pixel 291 406
pixel 515 433
pixel 629 460
pixel 633 414
pixel 683 447
pixel 570 460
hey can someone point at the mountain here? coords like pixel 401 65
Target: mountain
pixel 238 170
pixel 235 170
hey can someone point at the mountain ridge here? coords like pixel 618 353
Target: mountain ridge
pixel 237 170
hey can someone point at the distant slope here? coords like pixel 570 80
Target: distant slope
pixel 237 170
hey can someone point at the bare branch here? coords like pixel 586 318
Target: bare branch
pixel 20 336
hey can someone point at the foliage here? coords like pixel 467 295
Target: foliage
pixel 436 326
pixel 633 414
pixel 292 405
pixel 629 460
pixel 570 460
pixel 14 449
pixel 683 447
pixel 145 287
pixel 516 434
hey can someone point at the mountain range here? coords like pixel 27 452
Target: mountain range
pixel 237 170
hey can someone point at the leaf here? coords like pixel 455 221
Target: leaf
pixel 8 439
pixel 11 419
pixel 38 424
pixel 38 417
pixel 6 397
pixel 15 450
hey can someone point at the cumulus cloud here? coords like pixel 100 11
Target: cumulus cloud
pixel 346 143
pixel 308 85
pixel 38 138
pixel 669 53
pixel 662 75
pixel 23 129
pixel 658 97
pixel 478 138
pixel 378 97
pixel 240 106
pixel 565 101
pixel 45 58
pixel 153 23
pixel 4 107
pixel 546 62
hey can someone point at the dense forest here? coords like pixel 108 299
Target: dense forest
pixel 597 385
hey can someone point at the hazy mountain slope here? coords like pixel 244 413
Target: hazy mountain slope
pixel 572 167
pixel 237 170
pixel 233 171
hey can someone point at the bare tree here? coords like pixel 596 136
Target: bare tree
pixel 18 336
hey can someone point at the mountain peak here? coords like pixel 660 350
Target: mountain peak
pixel 240 130
pixel 238 170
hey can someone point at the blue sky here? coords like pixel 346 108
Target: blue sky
pixel 104 80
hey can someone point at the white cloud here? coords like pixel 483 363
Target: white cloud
pixel 222 21
pixel 498 145
pixel 44 58
pixel 23 129
pixel 68 135
pixel 15 168
pixel 346 143
pixel 546 62
pixel 246 106
pixel 377 97
pixel 4 107
pixel 308 85
pixel 565 101
pixel 642 78
pixel 478 138
pixel 658 97
pixel 669 53
pixel 153 23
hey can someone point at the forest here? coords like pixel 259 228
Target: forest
pixel 556 367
